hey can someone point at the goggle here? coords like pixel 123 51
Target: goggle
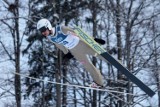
pixel 43 29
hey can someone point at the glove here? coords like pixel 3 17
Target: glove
pixel 68 56
pixel 100 41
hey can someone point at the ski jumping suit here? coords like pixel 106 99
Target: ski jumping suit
pixel 66 40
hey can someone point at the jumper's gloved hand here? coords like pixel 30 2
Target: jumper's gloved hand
pixel 100 41
pixel 68 56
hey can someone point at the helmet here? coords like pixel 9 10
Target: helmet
pixel 44 24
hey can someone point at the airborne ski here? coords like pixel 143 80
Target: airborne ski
pixel 88 40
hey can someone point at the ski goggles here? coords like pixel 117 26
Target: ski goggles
pixel 43 29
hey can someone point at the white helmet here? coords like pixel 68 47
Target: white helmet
pixel 44 24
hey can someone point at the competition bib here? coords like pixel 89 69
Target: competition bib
pixel 69 41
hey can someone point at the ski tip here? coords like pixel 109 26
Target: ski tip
pixel 151 94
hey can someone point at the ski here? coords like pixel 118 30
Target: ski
pixel 88 40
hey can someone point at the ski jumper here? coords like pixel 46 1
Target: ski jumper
pixel 66 40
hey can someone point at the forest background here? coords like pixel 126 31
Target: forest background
pixel 131 29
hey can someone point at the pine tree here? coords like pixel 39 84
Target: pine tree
pixel 44 63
